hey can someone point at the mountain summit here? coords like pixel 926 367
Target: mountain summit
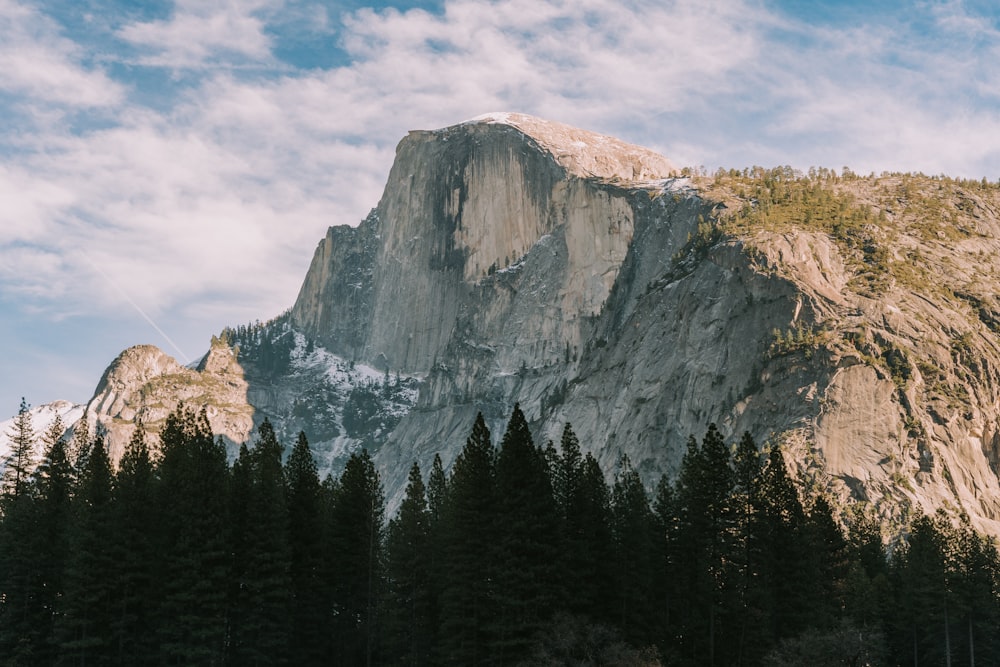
pixel 850 320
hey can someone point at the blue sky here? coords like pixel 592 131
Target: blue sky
pixel 167 168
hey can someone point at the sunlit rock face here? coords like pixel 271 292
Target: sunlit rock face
pixel 512 259
pixel 144 385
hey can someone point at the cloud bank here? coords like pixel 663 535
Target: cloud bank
pixel 186 164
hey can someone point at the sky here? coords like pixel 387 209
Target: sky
pixel 168 167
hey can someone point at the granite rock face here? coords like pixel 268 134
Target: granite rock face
pixel 144 385
pixel 512 259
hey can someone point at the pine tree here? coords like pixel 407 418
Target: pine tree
pixel 705 542
pixel 53 482
pixel 526 543
pixel 828 552
pixel 191 541
pixel 84 627
pixel 437 490
pixel 23 601
pixel 437 501
pixel 786 572
pixel 976 580
pixel 410 621
pixel 309 589
pixel 240 493
pixel 468 540
pixel 21 626
pixel 585 550
pixel 20 461
pixel 79 446
pixel 666 590
pixel 751 606
pixel 134 515
pixel 921 623
pixel 262 556
pixel 634 530
pixel 357 537
pixel 867 588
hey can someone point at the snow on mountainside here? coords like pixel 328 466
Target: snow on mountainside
pixel 42 418
pixel 251 373
pixel 341 405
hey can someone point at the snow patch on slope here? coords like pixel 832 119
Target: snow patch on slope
pixel 42 418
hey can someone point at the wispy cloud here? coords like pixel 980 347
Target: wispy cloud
pixel 208 206
pixel 202 32
pixel 37 65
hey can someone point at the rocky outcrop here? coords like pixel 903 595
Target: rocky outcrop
pixel 144 385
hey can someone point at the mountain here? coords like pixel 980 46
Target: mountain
pixel 851 320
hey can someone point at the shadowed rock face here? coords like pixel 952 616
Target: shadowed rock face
pixel 512 259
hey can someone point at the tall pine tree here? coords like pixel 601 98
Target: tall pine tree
pixel 192 541
pixel 410 614
pixel 134 514
pixel 526 543
pixel 20 461
pixel 634 531
pixel 262 598
pixel 357 535
pixel 468 538
pixel 309 589
pixel 84 626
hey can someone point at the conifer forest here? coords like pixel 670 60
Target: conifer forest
pixel 518 554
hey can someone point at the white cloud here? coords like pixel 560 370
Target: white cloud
pixel 200 32
pixel 40 66
pixel 210 210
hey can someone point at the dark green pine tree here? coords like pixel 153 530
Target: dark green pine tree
pixel 83 629
pixel 635 557
pixel 240 492
pixel 260 637
pixel 134 516
pixel 310 591
pixel 191 541
pixel 787 572
pixel 867 589
pixel 23 621
pixel 828 556
pixel 79 446
pixel 526 546
pixel 410 619
pixel 923 605
pixel 437 490
pixel 328 491
pixel 585 549
pixel 467 539
pixel 976 581
pixel 357 532
pixel 705 547
pixel 751 600
pixel 437 500
pixel 20 461
pixel 52 503
pixel 20 621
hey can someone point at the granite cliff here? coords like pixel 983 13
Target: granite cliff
pixel 852 320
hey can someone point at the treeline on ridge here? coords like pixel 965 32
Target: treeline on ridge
pixel 519 555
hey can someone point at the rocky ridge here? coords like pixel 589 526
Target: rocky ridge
pixel 853 321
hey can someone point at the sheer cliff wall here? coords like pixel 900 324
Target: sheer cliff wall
pixel 512 259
